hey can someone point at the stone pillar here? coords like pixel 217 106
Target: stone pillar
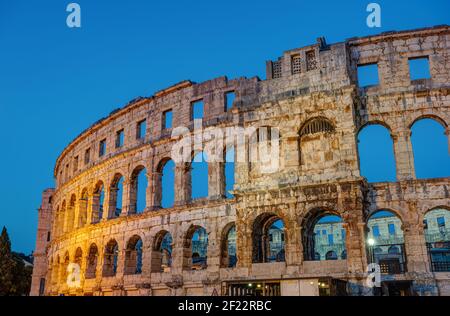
pixel 154 190
pixel 403 155
pixel 126 197
pixel 355 246
pixel 112 202
pixel 82 214
pixel 183 187
pixel 106 203
pixel 94 207
pixel 244 243
pixel 415 248
pixel 417 260
pixel 216 180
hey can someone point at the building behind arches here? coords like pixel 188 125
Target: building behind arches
pixel 312 100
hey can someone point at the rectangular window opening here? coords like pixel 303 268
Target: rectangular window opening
pixel 167 119
pixel 197 110
pixel 87 156
pixel 229 100
pixel 120 135
pixel 102 148
pixel 368 75
pixel 391 228
pixel 141 129
pixel 419 68
pixel 75 164
pixel 376 231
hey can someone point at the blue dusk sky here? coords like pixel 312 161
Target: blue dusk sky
pixel 56 81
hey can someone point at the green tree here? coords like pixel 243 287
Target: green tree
pixel 7 265
pixel 15 277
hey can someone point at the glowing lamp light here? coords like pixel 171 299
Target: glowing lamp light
pixel 371 241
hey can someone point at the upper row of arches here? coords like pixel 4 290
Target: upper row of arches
pixel 426 143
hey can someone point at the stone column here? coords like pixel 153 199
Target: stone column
pixel 244 243
pixel 216 180
pixel 403 155
pixel 126 197
pixel 183 187
pixel 94 207
pixel 154 190
pixel 106 203
pixel 112 202
pixel 415 248
pixel 82 214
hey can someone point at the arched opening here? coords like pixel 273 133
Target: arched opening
pixel 115 196
pixel 110 258
pixel 323 236
pixel 437 236
pixel 430 148
pixel 83 205
pixel 229 172
pixel 133 256
pixel 199 176
pixel 167 169
pixel 196 248
pixel 385 242
pixel 162 252
pixel 228 257
pixel 376 154
pixel 138 190
pixel 98 199
pixel 91 267
pixel 268 238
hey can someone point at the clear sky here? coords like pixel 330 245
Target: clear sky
pixel 56 81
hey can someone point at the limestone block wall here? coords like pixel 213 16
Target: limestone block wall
pixel 312 98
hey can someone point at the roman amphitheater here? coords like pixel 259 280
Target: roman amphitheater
pixel 112 226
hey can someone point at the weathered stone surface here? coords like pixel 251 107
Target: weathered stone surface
pixel 317 170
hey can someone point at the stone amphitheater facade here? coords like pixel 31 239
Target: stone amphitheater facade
pixel 313 89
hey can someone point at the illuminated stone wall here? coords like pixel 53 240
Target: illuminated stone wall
pixel 312 97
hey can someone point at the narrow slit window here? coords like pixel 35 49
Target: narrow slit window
pixel 102 148
pixel 87 156
pixel 75 164
pixel 419 68
pixel 368 75
pixel 120 138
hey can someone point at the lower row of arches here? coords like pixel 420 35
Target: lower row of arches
pixel 323 238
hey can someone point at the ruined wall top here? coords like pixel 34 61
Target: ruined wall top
pixel 312 69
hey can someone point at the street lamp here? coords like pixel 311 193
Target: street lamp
pixel 371 241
